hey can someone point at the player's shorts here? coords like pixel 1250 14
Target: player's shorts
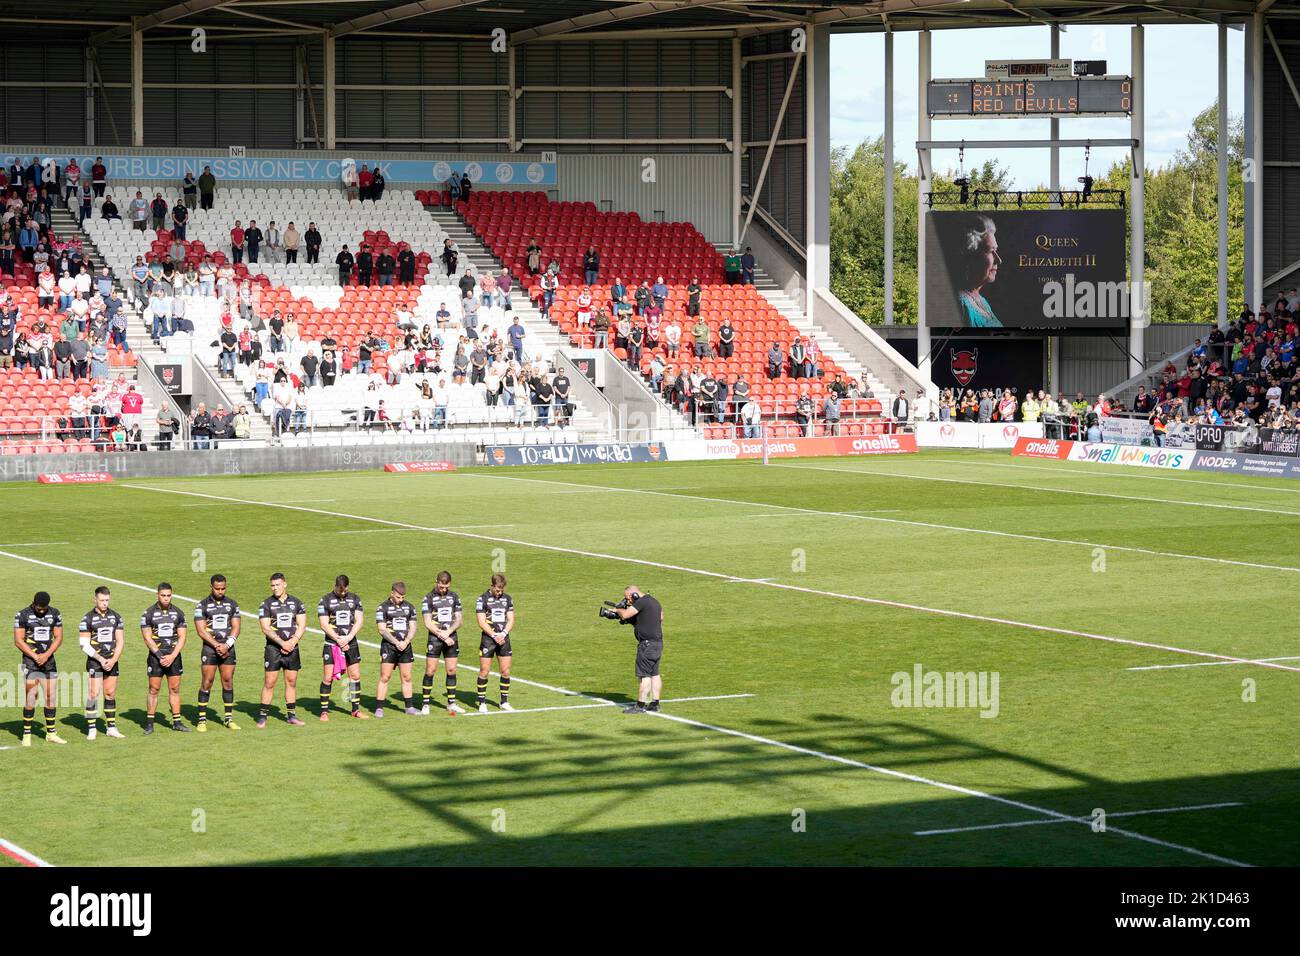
pixel 95 669
pixel 438 649
pixel 647 658
pixel 277 660
pixel 388 654
pixel 351 654
pixel 210 658
pixel 36 671
pixel 489 648
pixel 154 667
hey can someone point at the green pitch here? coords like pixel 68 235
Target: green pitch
pixel 801 595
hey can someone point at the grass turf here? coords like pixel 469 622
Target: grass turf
pixel 761 571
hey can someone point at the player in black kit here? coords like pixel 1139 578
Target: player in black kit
pixel 163 627
pixel 103 641
pixel 495 612
pixel 341 616
pixel 396 621
pixel 38 632
pixel 216 619
pixel 284 621
pixel 442 619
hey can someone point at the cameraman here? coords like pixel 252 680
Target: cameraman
pixel 647 616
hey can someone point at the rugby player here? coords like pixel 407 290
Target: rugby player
pixel 495 612
pixel 38 632
pixel 216 619
pixel 103 640
pixel 341 616
pixel 284 621
pixel 163 627
pixel 442 619
pixel 395 619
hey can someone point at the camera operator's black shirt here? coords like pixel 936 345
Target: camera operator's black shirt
pixel 649 618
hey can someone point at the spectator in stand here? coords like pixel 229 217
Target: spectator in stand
pixel 516 334
pixel 636 338
pixel 731 267
pixel 99 360
pixel 365 264
pixel 377 183
pixel 159 211
pixel 798 356
pixel 726 339
pixel 189 192
pixel 7 249
pixel 1007 406
pixel 207 188
pixel 600 328
pixel 99 177
pixel 505 282
pixel 282 399
pixel 385 266
pixel 550 283
pixel 1030 408
pixel 450 255
pixel 831 414
pixel 237 240
pixel 274 242
pixel 345 261
pixel 901 409
pixel 180 217
pixel 453 187
pixel 364 179
pixel 292 239
pixel 350 181
pixel 775 361
pixel 747 266
pixel 252 240
pixel 312 240
pixel 240 425
pixel 405 265
pixel 701 333
pixel 139 212
pixel 329 369
pixel 591 265
pixel 534 260
pixel 71 183
pixel 132 407
pixel 301 405
pixel 465 186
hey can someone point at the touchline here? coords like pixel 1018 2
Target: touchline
pixel 76 909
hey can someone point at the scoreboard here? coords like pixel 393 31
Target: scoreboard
pixel 1014 97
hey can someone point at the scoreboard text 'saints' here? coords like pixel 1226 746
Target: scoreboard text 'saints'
pixel 1026 88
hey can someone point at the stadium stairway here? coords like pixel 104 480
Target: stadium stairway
pixel 64 223
pixel 794 313
pixel 471 246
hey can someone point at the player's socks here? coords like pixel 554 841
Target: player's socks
pixel 29 715
pixel 482 690
pixel 505 688
pixel 406 702
pixel 204 696
pixel 91 721
pixel 110 712
pixel 148 720
pixel 354 694
pixel 451 689
pixel 292 710
pixel 176 718
pixel 228 704
pixel 50 713
pixel 325 691
pixel 426 689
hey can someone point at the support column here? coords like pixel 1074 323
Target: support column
pixel 1222 149
pixel 817 110
pixel 1055 159
pixel 331 112
pixel 737 138
pixel 299 101
pixel 922 187
pixel 889 178
pixel 137 87
pixel 1254 284
pixel 89 109
pixel 1139 316
pixel 512 139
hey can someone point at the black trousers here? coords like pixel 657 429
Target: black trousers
pixel 313 254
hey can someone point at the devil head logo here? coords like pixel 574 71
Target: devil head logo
pixel 963 363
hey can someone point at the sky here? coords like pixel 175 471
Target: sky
pixel 1181 72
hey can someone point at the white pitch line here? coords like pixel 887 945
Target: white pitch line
pixel 794 748
pixel 847 514
pixel 453 527
pixel 645 562
pixel 1050 490
pixel 25 857
pixel 30 544
pixel 1109 816
pixel 1161 667
pixel 538 710
pixel 909 522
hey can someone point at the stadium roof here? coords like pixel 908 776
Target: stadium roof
pixel 532 21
